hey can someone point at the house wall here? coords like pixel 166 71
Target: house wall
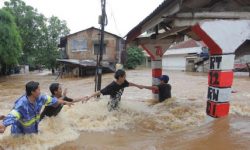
pixel 81 45
pixel 243 59
pixel 174 62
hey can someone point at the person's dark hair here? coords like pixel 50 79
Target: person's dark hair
pixel 119 73
pixel 54 87
pixel 31 86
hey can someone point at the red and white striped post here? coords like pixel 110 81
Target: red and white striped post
pixel 220 79
pixel 156 73
pixel 156 52
pixel 222 38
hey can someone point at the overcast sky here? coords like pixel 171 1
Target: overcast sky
pixel 123 15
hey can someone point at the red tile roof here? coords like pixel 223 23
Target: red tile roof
pixel 188 44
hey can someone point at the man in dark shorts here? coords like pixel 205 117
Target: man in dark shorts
pixel 56 91
pixel 115 89
pixel 164 88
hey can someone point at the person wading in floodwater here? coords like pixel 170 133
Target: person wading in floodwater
pixel 25 115
pixel 56 91
pixel 115 90
pixel 164 88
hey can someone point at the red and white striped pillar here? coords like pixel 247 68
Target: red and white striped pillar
pixel 155 52
pixel 156 73
pixel 223 38
pixel 220 79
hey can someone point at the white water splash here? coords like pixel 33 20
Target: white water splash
pixel 95 117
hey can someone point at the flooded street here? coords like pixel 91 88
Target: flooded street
pixel 179 123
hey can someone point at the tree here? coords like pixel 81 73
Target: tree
pixel 135 57
pixel 40 35
pixel 10 41
pixel 30 25
pixel 55 29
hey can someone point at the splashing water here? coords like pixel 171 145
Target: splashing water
pixel 94 116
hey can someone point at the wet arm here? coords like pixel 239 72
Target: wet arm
pixel 135 85
pixel 11 118
pixel 62 102
pixel 85 99
pixel 77 100
pixel 149 87
pixel 55 102
pixel 95 94
pixel 80 99
pixel 105 91
pixel 2 128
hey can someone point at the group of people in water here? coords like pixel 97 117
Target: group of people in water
pixel 25 116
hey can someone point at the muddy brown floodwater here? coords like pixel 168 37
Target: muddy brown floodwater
pixel 179 123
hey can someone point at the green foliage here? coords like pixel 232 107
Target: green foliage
pixel 40 36
pixel 30 24
pixel 55 29
pixel 10 41
pixel 48 42
pixel 135 57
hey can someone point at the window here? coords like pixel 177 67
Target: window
pixel 97 49
pixel 78 45
pixel 190 61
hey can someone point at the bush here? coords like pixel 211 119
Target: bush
pixel 135 57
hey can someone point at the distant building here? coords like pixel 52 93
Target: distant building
pixel 79 52
pixel 185 56
pixel 242 64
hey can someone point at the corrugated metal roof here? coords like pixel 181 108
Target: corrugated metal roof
pixel 85 63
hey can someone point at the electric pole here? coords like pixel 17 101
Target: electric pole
pixel 103 22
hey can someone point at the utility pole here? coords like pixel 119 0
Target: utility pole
pixel 103 22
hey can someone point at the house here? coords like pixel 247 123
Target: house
pixel 242 58
pixel 192 55
pixel 184 56
pixel 79 52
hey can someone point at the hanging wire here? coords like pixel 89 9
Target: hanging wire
pixel 113 17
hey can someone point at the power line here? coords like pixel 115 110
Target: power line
pixel 113 17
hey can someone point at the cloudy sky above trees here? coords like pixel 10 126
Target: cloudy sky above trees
pixel 123 15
